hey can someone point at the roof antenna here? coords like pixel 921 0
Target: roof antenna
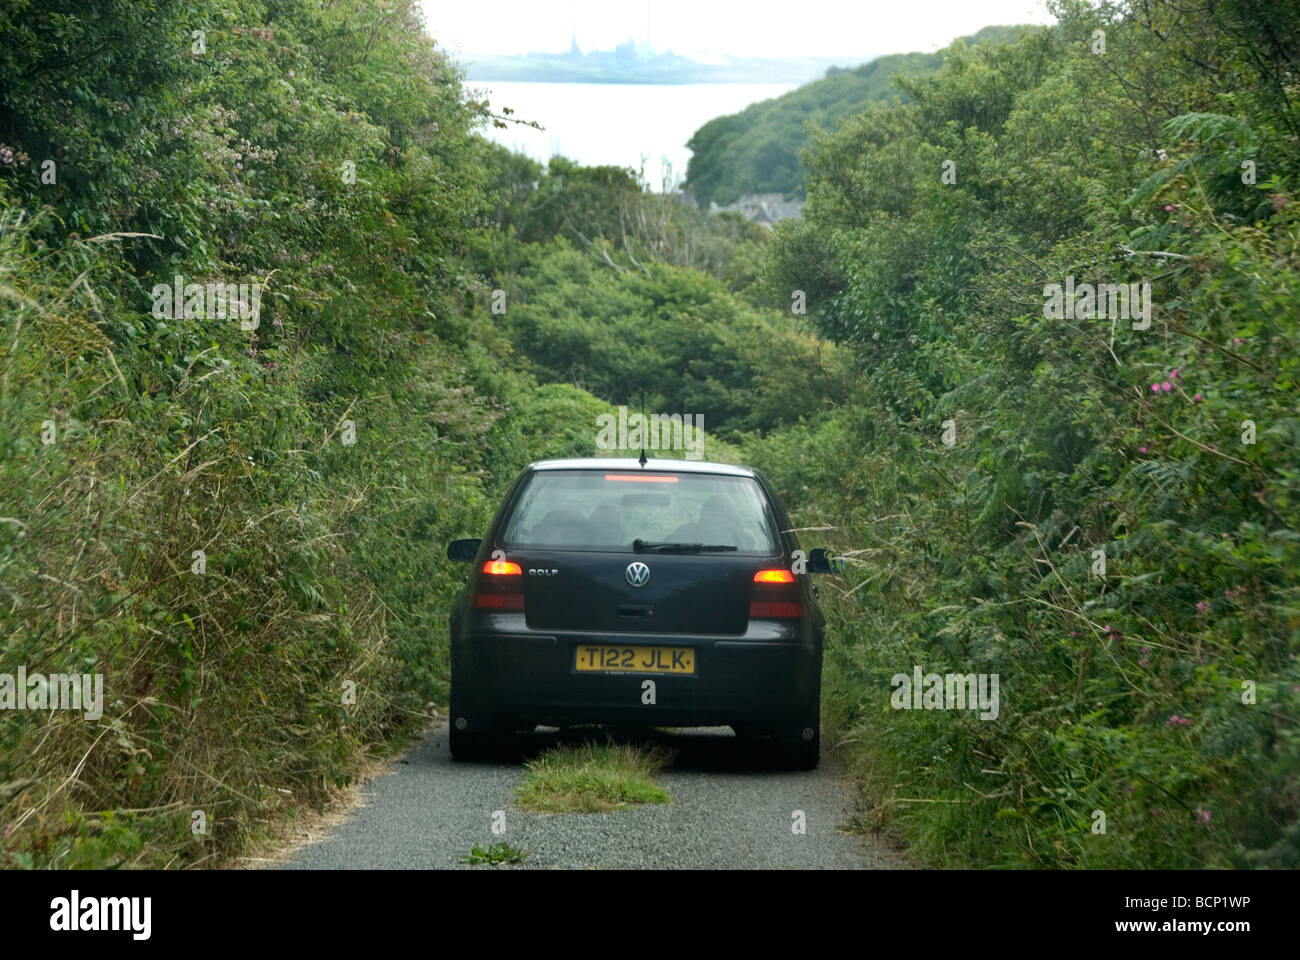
pixel 642 459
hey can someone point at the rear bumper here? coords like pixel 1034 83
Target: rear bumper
pixel 768 676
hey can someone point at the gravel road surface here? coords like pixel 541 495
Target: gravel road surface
pixel 730 810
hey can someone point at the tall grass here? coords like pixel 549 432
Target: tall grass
pixel 254 684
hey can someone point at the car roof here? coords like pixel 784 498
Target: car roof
pixel 634 466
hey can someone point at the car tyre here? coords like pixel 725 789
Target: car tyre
pixel 469 747
pixel 799 747
pixel 484 741
pixel 800 754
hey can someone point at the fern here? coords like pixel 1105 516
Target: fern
pixel 1208 128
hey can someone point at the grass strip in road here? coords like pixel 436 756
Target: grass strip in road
pixel 495 854
pixel 593 778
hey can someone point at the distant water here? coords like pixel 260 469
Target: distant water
pixel 616 123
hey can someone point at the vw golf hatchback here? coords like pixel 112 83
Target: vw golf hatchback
pixel 656 593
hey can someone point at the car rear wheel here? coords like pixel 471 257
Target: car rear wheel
pixel 475 747
pixel 799 745
pixel 803 753
pixel 471 739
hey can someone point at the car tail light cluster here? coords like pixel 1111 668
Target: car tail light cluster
pixel 776 596
pixel 500 586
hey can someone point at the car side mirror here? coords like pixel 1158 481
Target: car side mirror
pixel 820 562
pixel 464 551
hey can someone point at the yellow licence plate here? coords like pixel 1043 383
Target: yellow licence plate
pixel 635 659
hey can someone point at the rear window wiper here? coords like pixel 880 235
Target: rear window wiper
pixel 647 546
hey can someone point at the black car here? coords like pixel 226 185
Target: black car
pixel 663 593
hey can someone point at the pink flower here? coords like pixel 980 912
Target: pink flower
pixel 1155 388
pixel 1197 399
pixel 1203 817
pixel 1168 208
pixel 1166 386
pixel 1176 721
pixel 1202 606
pixel 1106 629
pixel 1173 374
pixel 1142 449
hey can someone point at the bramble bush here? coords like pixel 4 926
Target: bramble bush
pixel 1163 695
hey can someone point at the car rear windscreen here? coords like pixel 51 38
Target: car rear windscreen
pixel 606 509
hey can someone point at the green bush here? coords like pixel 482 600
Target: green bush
pixel 1164 695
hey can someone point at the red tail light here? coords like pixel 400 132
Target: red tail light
pixel 776 596
pixel 774 610
pixel 499 601
pixel 498 588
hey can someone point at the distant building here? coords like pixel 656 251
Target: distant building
pixel 685 197
pixel 764 208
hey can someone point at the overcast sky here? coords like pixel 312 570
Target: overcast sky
pixel 712 28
